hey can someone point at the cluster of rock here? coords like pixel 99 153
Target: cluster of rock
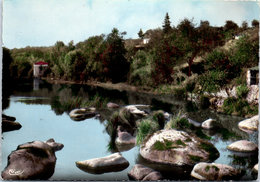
pixel 32 161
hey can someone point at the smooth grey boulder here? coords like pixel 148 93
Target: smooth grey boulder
pixel 82 113
pixel 209 124
pixel 214 172
pixel 243 146
pixel 177 148
pixel 32 161
pixel 141 172
pixel 250 124
pixel 111 163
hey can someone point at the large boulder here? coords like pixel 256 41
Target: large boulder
pixel 177 148
pixel 141 172
pixel 243 146
pixel 9 124
pixel 214 172
pixel 32 161
pixel 250 124
pixel 111 163
pixel 82 113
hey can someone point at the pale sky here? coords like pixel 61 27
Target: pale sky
pixel 43 22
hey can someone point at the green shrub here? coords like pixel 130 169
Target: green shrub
pixel 145 128
pixel 229 105
pixel 158 116
pixel 212 81
pixel 191 106
pixel 178 122
pixel 242 91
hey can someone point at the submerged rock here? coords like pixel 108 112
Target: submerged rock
pixel 9 124
pixel 82 113
pixel 249 124
pixel 111 163
pixel 140 172
pixel 177 148
pixel 209 124
pixel 112 105
pixel 243 146
pixel 214 172
pixel 31 161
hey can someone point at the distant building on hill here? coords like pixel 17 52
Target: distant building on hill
pixel 39 69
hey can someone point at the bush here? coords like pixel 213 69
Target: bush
pixel 179 93
pixel 242 91
pixel 229 105
pixel 213 80
pixel 178 122
pixel 145 128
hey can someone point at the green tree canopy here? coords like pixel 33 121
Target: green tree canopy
pixel 167 24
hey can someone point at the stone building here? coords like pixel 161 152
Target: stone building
pixel 39 69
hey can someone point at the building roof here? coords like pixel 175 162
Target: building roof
pixel 40 63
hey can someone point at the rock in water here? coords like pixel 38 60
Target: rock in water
pixel 249 124
pixel 125 141
pixel 32 161
pixel 214 172
pixel 243 146
pixel 82 113
pixel 209 124
pixel 140 172
pixel 111 163
pixel 177 148
pixel 9 124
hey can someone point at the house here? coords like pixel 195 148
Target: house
pixel 39 68
pixel 252 76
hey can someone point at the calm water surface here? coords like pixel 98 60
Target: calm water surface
pixel 41 120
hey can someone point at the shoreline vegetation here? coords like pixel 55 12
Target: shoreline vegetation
pixel 192 62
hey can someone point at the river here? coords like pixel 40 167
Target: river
pixel 42 109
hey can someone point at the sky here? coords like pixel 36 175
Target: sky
pixel 44 22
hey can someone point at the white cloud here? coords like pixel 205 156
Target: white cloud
pixel 43 22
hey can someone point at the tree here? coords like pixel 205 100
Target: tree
pixel 255 23
pixel 113 58
pixel 166 24
pixel 244 25
pixel 141 34
pixel 230 25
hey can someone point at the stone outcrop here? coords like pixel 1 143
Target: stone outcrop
pixel 142 173
pixel 82 113
pixel 111 163
pixel 214 172
pixel 243 146
pixel 9 124
pixel 250 124
pixel 209 124
pixel 32 161
pixel 177 148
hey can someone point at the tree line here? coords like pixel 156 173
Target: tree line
pixel 106 58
